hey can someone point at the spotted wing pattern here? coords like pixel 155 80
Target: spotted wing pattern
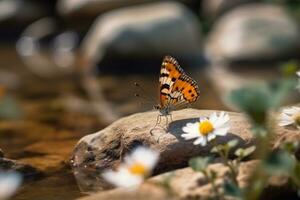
pixel 175 86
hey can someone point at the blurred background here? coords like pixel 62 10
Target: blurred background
pixel 69 67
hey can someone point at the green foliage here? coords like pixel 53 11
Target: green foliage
pixel 279 163
pixel 199 164
pixel 233 190
pixel 242 153
pixel 290 147
pixel 289 69
pixel 224 148
pixel 297 171
pixel 255 101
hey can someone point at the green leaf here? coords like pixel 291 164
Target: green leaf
pixel 279 163
pixel 244 152
pixel 232 143
pixel 213 174
pixel 215 149
pixel 231 189
pixel 297 171
pixel 259 131
pixel 289 68
pixel 290 147
pixel 199 164
pixel 256 100
pixel 239 152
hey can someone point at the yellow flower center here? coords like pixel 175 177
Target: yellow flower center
pixel 138 169
pixel 296 118
pixel 205 127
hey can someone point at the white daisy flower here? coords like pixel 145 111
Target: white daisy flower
pixel 207 129
pixel 290 116
pixel 134 170
pixel 9 183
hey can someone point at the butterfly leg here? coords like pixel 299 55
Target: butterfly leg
pixel 167 120
pixel 158 120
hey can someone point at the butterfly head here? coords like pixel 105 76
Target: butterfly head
pixel 163 110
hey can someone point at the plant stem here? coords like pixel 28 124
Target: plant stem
pixel 213 184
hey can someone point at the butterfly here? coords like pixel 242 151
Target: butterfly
pixel 176 88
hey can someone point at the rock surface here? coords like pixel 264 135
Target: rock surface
pixel 27 171
pixel 187 184
pixel 183 184
pixel 92 7
pixel 106 148
pixel 116 32
pixel 145 192
pixel 253 32
pixel 215 8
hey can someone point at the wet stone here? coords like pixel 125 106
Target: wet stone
pixel 28 172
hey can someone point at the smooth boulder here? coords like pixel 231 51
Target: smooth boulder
pixel 149 30
pixel 253 32
pixel 106 148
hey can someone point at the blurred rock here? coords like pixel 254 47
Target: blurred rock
pixel 183 184
pixel 92 8
pixel 188 184
pixel 215 8
pixel 106 148
pixel 27 171
pixel 1 153
pixel 20 10
pixel 145 192
pixel 288 134
pixel 144 31
pixel 46 49
pixel 253 32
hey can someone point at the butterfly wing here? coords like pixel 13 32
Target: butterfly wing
pixel 184 90
pixel 175 86
pixel 170 72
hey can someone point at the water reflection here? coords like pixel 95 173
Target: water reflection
pixel 90 180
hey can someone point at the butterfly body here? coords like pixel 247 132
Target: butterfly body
pixel 176 87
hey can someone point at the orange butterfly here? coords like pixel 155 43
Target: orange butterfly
pixel 176 88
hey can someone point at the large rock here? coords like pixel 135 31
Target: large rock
pixel 21 11
pixel 145 192
pixel 253 32
pixel 215 8
pixel 187 184
pixel 106 148
pixel 92 7
pixel 144 31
